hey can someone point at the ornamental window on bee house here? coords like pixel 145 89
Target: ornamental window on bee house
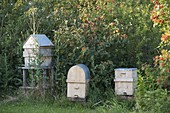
pixel 125 81
pixel 77 82
pixel 37 56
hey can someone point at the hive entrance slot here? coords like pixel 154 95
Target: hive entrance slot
pixel 124 93
pixel 76 96
pixel 122 74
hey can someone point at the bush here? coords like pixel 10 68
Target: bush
pixel 99 35
pixel 149 95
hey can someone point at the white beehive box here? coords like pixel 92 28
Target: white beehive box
pixel 77 81
pixel 126 73
pixel 37 50
pixel 125 81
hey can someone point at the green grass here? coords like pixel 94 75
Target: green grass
pixel 62 105
pixel 43 107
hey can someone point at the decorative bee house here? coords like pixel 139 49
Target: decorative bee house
pixel 77 82
pixel 125 81
pixel 37 70
pixel 38 50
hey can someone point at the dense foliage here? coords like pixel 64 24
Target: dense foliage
pixel 103 34
pixel 154 86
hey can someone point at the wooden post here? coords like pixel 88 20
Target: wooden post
pixel 44 78
pixel 32 79
pixel 44 81
pixel 52 80
pixel 24 78
pixel 52 77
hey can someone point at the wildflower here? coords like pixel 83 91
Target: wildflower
pixel 85 15
pixel 156 57
pixel 92 28
pixel 117 31
pixel 162 64
pixel 102 17
pixel 112 23
pixel 98 8
pixel 160 7
pixel 164 37
pixel 164 51
pixel 152 1
pixel 161 21
pixel 160 58
pixel 83 49
pixel 157 2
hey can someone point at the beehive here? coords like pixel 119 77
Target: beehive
pixel 125 81
pixel 77 81
pixel 37 50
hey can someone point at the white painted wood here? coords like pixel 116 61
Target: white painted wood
pixel 30 43
pixel 30 52
pixel 126 73
pixel 33 61
pixel 38 50
pixel 76 90
pixel 30 61
pixel 76 74
pixel 37 40
pixel 77 81
pixel 124 88
pixel 125 81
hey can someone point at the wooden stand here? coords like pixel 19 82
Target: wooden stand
pixel 45 80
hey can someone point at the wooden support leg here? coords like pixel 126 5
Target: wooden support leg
pixel 24 80
pixel 52 80
pixel 52 77
pixel 44 78
pixel 44 81
pixel 32 79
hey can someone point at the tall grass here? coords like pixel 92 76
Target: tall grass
pixel 32 106
pixel 63 105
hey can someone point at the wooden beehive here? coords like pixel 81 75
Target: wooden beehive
pixel 125 81
pixel 37 50
pixel 77 82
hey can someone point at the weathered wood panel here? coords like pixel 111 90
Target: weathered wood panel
pixel 125 81
pixel 77 81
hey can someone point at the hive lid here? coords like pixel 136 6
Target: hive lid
pixel 125 69
pixel 86 70
pixel 37 40
pixel 78 73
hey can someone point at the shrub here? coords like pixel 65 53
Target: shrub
pixel 149 95
pixel 99 35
